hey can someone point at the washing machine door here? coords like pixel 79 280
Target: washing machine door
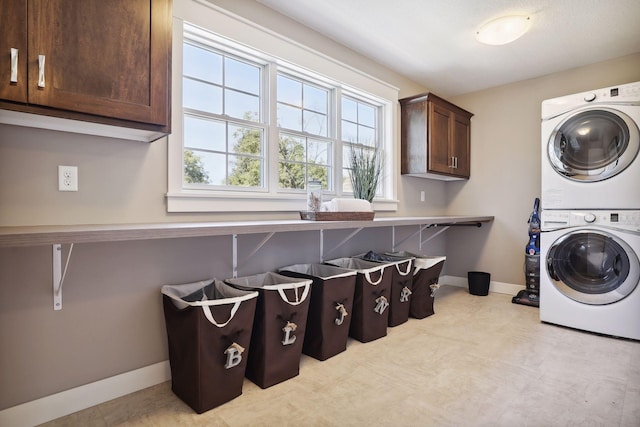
pixel 593 267
pixel 593 144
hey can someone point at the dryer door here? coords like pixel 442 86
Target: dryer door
pixel 593 267
pixel 593 144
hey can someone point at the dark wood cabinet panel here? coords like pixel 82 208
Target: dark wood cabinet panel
pixel 105 61
pixel 460 146
pixel 13 24
pixel 435 138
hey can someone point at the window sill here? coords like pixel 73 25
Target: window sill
pixel 197 201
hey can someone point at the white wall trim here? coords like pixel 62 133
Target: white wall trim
pixel 498 287
pixel 76 399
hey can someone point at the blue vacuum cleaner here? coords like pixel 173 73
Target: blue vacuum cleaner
pixel 531 295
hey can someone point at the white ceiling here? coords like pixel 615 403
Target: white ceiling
pixel 432 41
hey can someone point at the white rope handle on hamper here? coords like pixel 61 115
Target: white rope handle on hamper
pixel 367 275
pixel 299 299
pixel 206 309
pixel 408 268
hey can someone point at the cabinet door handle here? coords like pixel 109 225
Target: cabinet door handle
pixel 451 165
pixel 456 163
pixel 40 70
pixel 14 65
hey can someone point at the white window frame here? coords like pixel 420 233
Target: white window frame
pixel 238 33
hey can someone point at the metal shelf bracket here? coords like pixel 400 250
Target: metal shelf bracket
pixel 59 273
pixel 342 242
pixel 253 252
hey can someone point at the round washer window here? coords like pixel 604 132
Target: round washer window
pixel 594 145
pixel 593 267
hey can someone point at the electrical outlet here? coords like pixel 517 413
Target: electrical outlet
pixel 67 178
pixel 422 196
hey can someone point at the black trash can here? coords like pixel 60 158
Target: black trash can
pixel 330 308
pixel 278 327
pixel 401 284
pixel 426 274
pixel 479 282
pixel 209 334
pixel 371 298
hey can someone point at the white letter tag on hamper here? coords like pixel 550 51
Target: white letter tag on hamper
pixel 234 355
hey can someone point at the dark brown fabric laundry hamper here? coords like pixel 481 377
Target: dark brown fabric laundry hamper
pixel 329 318
pixel 209 334
pixel 401 284
pixel 426 273
pixel 278 327
pixel 371 298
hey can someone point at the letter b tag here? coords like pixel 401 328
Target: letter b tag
pixel 234 355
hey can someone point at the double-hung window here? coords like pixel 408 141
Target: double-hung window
pixel 251 129
pixel 360 133
pixel 223 131
pixel 305 150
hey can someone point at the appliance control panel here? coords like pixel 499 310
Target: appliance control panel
pixel 626 93
pixel 624 219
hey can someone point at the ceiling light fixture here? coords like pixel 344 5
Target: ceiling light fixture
pixel 503 30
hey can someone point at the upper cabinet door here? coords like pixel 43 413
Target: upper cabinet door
pixel 439 139
pixel 13 50
pixel 460 145
pixel 103 57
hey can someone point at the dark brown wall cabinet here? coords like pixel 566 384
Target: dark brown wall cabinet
pixel 435 138
pixel 102 61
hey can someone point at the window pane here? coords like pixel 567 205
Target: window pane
pixel 291 168
pixel 315 99
pixel 204 168
pixel 204 134
pixel 291 148
pixel 241 105
pixel 346 165
pixel 201 96
pixel 349 132
pixel 291 175
pixel 366 115
pixel 319 173
pixel 318 152
pixel 240 75
pixel 367 136
pixel 245 171
pixel 289 117
pixel 245 140
pixel 346 181
pixel 349 110
pixel 202 64
pixel 289 91
pixel 315 123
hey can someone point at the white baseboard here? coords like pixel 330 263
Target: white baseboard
pixel 498 287
pixel 76 399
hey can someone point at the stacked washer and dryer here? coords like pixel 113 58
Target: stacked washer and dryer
pixel 590 219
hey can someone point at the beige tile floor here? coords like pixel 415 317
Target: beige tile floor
pixel 479 361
